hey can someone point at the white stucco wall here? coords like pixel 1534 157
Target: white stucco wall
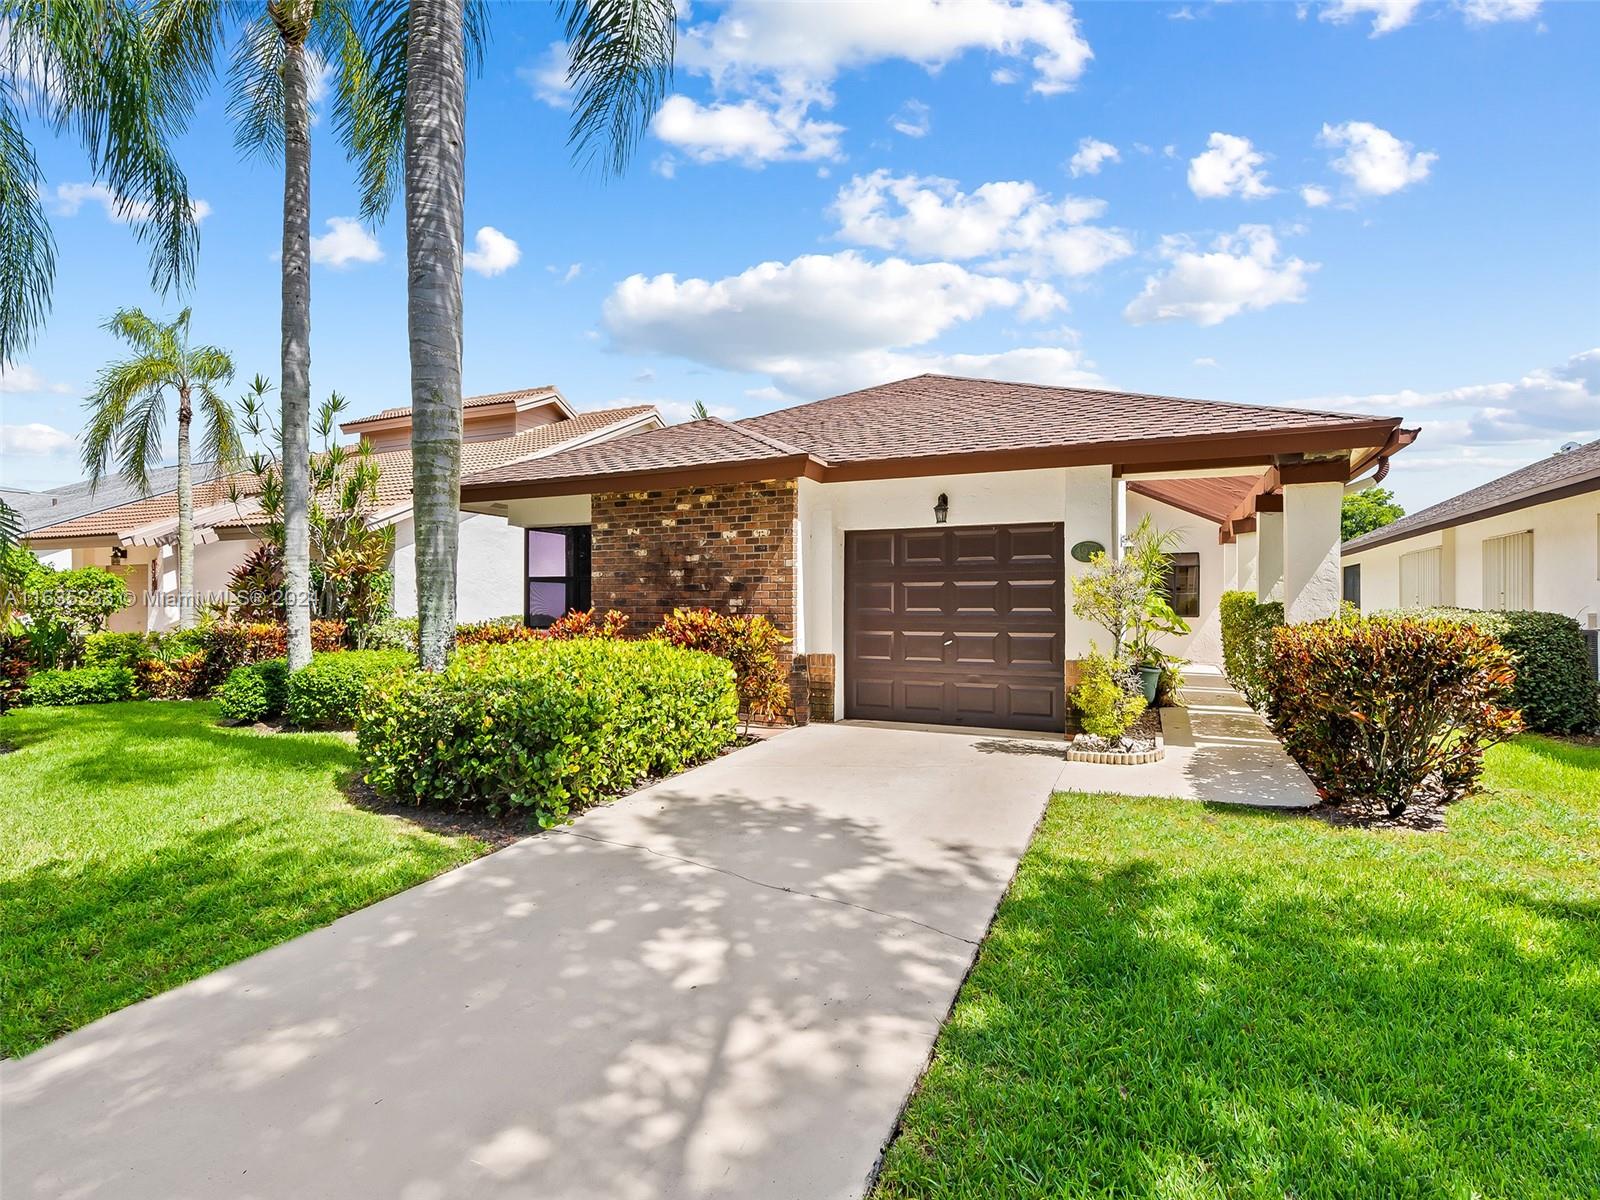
pixel 1566 559
pixel 1204 641
pixel 488 568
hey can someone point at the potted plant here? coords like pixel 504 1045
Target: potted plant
pixel 1125 597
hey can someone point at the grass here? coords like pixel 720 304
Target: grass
pixel 1178 1002
pixel 142 845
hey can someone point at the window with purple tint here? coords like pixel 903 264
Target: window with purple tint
pixel 557 570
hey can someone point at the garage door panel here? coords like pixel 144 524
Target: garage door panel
pixel 975 631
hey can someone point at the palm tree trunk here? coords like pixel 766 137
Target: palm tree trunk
pixel 435 184
pixel 296 354
pixel 186 612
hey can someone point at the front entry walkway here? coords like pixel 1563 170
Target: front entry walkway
pixel 723 986
pixel 1218 750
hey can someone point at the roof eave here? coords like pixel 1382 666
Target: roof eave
pixel 1388 537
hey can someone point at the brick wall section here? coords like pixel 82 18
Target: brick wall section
pixel 729 547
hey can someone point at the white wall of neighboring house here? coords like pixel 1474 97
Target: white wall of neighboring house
pixel 151 573
pixel 1198 535
pixel 489 568
pixel 1566 560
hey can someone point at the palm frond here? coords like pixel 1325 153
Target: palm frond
pixel 10 526
pixel 220 442
pixel 143 332
pixel 209 365
pixel 139 440
pixel 619 65
pixel 27 251
pixel 118 386
pixel 255 85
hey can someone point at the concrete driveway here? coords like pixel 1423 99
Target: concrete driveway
pixel 725 985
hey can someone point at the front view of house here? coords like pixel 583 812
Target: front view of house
pixel 916 540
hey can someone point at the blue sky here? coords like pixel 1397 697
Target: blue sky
pixel 1382 206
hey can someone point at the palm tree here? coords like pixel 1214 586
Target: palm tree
pixel 619 66
pixel 86 67
pixel 129 409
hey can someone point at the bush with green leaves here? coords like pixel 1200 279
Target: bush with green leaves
pixel 326 693
pixel 82 685
pixel 115 649
pixel 1388 709
pixel 1108 697
pixel 1556 688
pixel 1247 628
pixel 549 727
pixel 255 692
pixel 752 644
pixel 393 633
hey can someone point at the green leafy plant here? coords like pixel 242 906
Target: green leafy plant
pixel 751 644
pixel 255 692
pixel 578 623
pixel 1389 708
pixel 1247 628
pixel 1108 697
pixel 327 693
pixel 82 685
pixel 544 726
pixel 1366 510
pixel 115 649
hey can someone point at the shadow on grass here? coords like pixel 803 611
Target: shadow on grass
pixel 1145 1028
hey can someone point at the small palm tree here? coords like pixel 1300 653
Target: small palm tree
pixel 128 411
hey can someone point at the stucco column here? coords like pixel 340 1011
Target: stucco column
pixel 1119 516
pixel 1311 589
pixel 1269 556
pixel 1447 567
pixel 1230 566
pixel 1247 559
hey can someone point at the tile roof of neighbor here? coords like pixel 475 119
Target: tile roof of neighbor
pixel 930 416
pixel 548 391
pixel 58 504
pixel 394 480
pixel 1569 473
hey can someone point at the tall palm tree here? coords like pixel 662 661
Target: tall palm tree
pixel 619 66
pixel 128 411
pixel 88 68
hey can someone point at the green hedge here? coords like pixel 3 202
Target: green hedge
pixel 1556 688
pixel 82 685
pixel 255 692
pixel 327 693
pixel 547 726
pixel 115 649
pixel 1247 627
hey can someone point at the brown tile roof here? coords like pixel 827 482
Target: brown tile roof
pixel 1570 474
pixel 548 391
pixel 394 480
pixel 939 418
pixel 1213 497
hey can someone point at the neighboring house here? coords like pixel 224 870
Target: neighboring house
pixel 137 538
pixel 1528 540
pixel 916 540
pixel 55 505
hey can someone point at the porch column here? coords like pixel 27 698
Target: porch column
pixel 1230 566
pixel 1311 589
pixel 1247 558
pixel 1269 549
pixel 1119 516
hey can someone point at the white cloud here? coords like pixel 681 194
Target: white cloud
pixel 35 439
pixel 347 241
pixel 1315 195
pixel 19 379
pixel 819 320
pixel 70 197
pixel 568 273
pixel 1010 225
pixel 1241 272
pixel 546 76
pixel 1375 161
pixel 912 120
pixel 1091 155
pixel 748 131
pixel 1387 15
pixel 493 253
pixel 1206 361
pixel 1230 166
pixel 1490 12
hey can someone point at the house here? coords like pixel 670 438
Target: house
pixel 137 538
pixel 52 506
pixel 1528 540
pixel 916 540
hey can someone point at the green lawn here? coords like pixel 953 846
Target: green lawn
pixel 1187 1002
pixel 141 845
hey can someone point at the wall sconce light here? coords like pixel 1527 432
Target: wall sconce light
pixel 119 554
pixel 941 510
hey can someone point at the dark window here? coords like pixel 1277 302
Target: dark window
pixel 557 569
pixel 1183 584
pixel 1352 584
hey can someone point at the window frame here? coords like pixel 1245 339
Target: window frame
pixel 578 579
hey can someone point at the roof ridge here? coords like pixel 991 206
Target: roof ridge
pixel 771 443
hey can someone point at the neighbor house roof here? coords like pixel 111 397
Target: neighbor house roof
pixel 932 424
pixel 517 397
pixel 1570 473
pixel 54 505
pixel 155 518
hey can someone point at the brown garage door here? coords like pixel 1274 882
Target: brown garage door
pixel 962 625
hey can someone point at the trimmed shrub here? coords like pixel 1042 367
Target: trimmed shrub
pixel 1556 688
pixel 16 664
pixel 81 685
pixel 328 691
pixel 1390 708
pixel 546 726
pixel 393 633
pixel 495 633
pixel 578 623
pixel 256 691
pixel 173 679
pixel 751 644
pixel 115 649
pixel 1247 628
pixel 1109 697
pixel 230 644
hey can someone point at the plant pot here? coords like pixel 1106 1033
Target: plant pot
pixel 1150 681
